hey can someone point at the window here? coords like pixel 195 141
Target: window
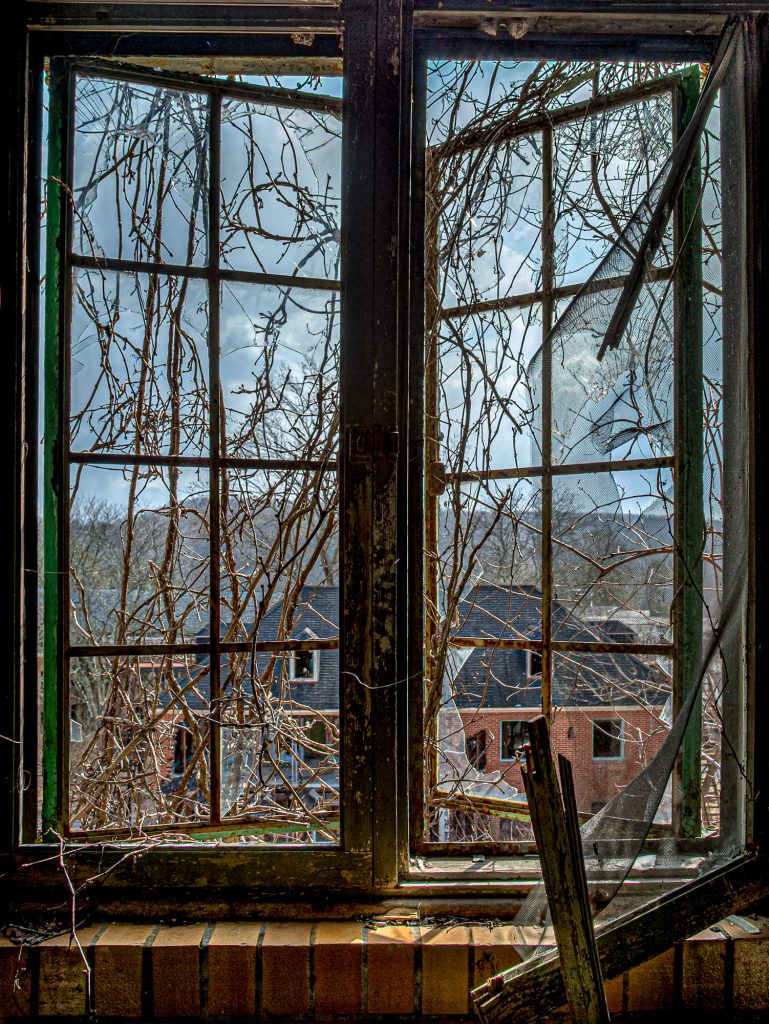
pixel 192 346
pixel 476 750
pixel 514 736
pixel 568 488
pixel 608 739
pixel 276 458
pixel 304 667
pixel 534 660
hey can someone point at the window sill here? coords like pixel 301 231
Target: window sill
pixel 341 969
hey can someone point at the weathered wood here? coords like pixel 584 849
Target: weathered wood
pixel 536 989
pixel 560 853
pixel 583 907
pixel 135 17
pixel 689 418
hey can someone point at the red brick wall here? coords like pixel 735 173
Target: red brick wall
pixel 595 781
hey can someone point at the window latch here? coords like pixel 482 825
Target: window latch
pixel 372 444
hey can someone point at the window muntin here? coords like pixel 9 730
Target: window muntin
pixel 552 492
pixel 200 533
pixel 608 739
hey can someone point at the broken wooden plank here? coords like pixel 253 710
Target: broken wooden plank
pixel 556 828
pixel 535 989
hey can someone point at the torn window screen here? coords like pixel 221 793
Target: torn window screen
pixel 554 519
pixel 197 496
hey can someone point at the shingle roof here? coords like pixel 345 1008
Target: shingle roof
pixel 489 677
pixel 499 677
pixel 316 615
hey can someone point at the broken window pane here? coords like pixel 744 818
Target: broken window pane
pixel 559 532
pixel 141 172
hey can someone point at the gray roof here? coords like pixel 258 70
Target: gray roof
pixel 489 677
pixel 500 678
pixel 316 615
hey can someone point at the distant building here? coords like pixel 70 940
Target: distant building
pixel 607 707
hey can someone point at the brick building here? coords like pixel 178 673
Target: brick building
pixel 608 707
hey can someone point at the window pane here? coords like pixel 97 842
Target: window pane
pixel 281 187
pixel 141 172
pixel 513 739
pixel 612 707
pixel 138 742
pixel 488 211
pixel 139 555
pixel 487 407
pixel 139 377
pixel 613 557
pixel 280 372
pixel 603 166
pixel 607 740
pixel 280 744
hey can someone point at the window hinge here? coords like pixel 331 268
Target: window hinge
pixel 374 443
pixel 437 478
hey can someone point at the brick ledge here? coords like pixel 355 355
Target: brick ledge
pixel 326 970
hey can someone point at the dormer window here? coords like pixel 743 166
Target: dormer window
pixel 534 664
pixel 303 667
pixel 303 664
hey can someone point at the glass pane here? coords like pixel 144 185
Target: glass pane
pixel 139 555
pixel 279 533
pixel 484 212
pixel 488 411
pixel 281 736
pixel 603 165
pixel 613 557
pixel 280 372
pixel 612 713
pixel 141 172
pixel 139 364
pixel 138 742
pixel 281 187
pixel 622 406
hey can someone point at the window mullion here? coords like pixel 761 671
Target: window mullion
pixel 689 519
pixel 548 267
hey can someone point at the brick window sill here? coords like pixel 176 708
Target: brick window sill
pixel 328 970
